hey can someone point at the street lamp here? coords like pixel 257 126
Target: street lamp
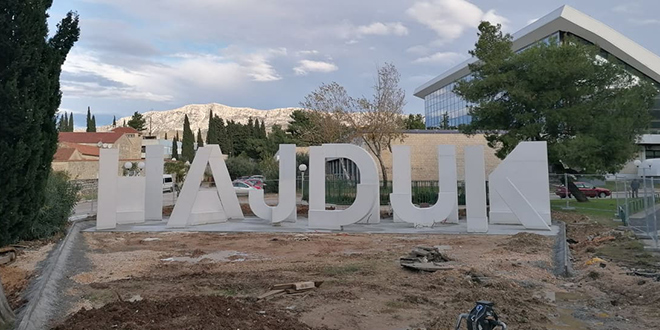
pixel 302 168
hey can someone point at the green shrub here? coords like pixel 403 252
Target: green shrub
pixel 61 197
pixel 241 166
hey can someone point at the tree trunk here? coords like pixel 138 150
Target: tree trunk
pixel 575 191
pixel 383 169
pixel 6 313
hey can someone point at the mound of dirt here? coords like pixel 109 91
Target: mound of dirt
pixel 526 243
pixel 190 313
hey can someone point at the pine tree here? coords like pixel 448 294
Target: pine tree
pixel 93 124
pixel 89 120
pixel 114 121
pixel 200 141
pixel 30 67
pixel 175 147
pixel 137 122
pixel 188 141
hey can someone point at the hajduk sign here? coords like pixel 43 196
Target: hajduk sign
pixel 517 190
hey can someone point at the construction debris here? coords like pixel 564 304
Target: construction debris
pixel 425 258
pixel 7 255
pixel 290 288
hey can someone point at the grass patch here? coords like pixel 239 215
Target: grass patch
pixel 341 270
pixel 602 210
pixel 630 252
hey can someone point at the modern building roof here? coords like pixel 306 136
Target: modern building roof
pixel 89 137
pixel 567 19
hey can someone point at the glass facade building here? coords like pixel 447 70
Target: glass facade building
pixel 446 110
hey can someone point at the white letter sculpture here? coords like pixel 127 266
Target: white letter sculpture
pixel 197 206
pixel 121 199
pixel 401 196
pixel 153 209
pixel 286 207
pixel 475 189
pixel 518 188
pixel 365 208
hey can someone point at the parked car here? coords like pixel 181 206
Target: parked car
pixel 242 188
pixel 259 184
pixel 258 177
pixel 168 184
pixel 586 188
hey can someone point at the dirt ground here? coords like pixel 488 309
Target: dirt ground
pixel 211 281
pixel 17 275
pixel 364 286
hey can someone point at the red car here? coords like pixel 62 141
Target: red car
pixel 587 189
pixel 259 184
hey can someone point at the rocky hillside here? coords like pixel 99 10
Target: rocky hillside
pixel 171 121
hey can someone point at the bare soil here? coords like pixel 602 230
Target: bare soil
pixel 364 288
pixel 17 275
pixel 211 281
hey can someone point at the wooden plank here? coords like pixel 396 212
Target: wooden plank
pixel 283 286
pixel 270 294
pixel 304 285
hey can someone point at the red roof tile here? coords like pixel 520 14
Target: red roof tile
pixel 89 137
pixel 83 149
pixel 63 154
pixel 124 130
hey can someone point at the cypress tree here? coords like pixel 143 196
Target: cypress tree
pixel 188 141
pixel 93 124
pixel 89 120
pixel 124 123
pixel 200 141
pixel 114 121
pixel 70 127
pixel 175 147
pixel 30 67
pixel 212 132
pixel 61 123
pixel 165 135
pixel 250 128
pixel 262 130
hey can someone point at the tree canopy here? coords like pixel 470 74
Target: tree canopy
pixel 187 142
pixel 590 111
pixel 414 122
pixel 137 122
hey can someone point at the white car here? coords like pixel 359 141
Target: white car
pixel 168 184
pixel 242 188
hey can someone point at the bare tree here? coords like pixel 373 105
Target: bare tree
pixel 379 121
pixel 329 105
pixel 6 313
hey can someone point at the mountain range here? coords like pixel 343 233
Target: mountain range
pixel 171 121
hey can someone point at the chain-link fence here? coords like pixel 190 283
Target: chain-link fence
pixel 629 199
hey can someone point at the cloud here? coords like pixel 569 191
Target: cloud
pixel 650 21
pixel 307 52
pixel 257 64
pixel 627 8
pixel 382 29
pixel 86 74
pixel 441 58
pixel 306 66
pixel 450 18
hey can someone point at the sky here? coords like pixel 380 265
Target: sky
pixel 142 55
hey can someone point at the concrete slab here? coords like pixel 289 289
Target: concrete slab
pixel 387 226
